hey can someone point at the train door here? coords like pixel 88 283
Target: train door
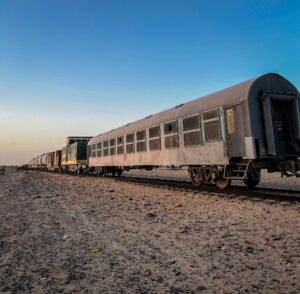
pixel 282 124
pixel 234 130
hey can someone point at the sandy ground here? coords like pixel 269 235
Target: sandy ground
pixel 147 243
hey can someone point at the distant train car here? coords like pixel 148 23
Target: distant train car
pixel 43 161
pixel 50 161
pixel 56 160
pixel 229 135
pixel 32 164
pixel 74 155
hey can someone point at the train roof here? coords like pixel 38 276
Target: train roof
pixel 232 95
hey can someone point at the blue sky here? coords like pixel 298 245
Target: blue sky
pixel 83 67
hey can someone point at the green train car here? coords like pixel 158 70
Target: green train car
pixel 73 156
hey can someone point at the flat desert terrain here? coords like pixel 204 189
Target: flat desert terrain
pixel 71 234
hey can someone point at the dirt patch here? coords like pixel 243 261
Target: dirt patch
pixel 64 234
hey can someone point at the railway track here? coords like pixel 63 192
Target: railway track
pixel 270 194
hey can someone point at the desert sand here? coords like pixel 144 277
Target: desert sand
pixel 71 234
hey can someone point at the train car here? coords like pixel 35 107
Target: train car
pixel 32 164
pixel 56 160
pixel 228 135
pixel 74 155
pixel 49 160
pixel 43 161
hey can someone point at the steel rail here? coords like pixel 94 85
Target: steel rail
pixel 277 194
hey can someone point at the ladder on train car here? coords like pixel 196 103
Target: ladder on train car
pixel 240 171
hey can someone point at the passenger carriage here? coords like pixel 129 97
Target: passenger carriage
pixel 228 135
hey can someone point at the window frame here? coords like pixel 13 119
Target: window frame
pixel 141 141
pixel 204 121
pixel 105 148
pixel 120 145
pixel 155 138
pixel 130 143
pixel 99 149
pixel 200 129
pixel 171 134
pixel 112 146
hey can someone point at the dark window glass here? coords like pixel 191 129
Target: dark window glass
pixel 129 138
pixel 105 144
pixel 112 151
pixel 154 144
pixel 120 140
pixel 99 153
pixel 141 135
pixel 120 149
pixel 154 132
pixel 129 148
pixel 105 152
pixel 192 138
pixel 191 123
pixel 212 130
pixel 112 142
pixel 141 146
pixel 99 145
pixel 170 127
pixel 211 114
pixel 94 147
pixel 171 141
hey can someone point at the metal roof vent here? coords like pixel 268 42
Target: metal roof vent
pixel 148 116
pixel 127 124
pixel 177 106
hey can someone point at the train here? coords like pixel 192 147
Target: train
pixel 229 135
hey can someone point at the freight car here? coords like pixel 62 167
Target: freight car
pixel 228 135
pixel 54 160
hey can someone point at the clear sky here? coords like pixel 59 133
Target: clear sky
pixel 83 67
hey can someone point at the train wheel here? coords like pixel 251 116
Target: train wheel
pixel 101 172
pixel 253 178
pixel 222 183
pixel 251 183
pixel 196 179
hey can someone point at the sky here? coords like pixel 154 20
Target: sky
pixel 72 67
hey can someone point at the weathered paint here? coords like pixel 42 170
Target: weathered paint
pixel 211 153
pixel 250 148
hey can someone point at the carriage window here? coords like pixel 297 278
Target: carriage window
pixel 89 151
pixel 105 148
pixel 211 123
pixel 191 131
pixel 130 143
pixel 170 127
pixel 94 152
pixel 154 138
pixel 120 145
pixel 230 121
pixel 141 141
pixel 171 135
pixel 99 149
pixel 112 143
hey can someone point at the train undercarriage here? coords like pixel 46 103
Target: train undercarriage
pixel 247 171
